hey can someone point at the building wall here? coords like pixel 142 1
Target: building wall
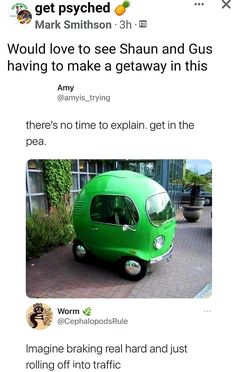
pixel 168 173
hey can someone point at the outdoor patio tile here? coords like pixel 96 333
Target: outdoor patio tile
pixel 57 275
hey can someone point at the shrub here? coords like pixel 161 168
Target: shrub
pixel 47 230
pixel 58 181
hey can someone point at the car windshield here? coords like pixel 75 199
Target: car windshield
pixel 159 208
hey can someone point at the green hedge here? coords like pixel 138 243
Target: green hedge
pixel 58 181
pixel 47 230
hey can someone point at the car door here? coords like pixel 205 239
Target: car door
pixel 115 227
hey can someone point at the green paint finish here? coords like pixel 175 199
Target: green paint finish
pixel 120 213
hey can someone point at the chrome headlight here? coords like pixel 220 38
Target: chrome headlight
pixel 159 242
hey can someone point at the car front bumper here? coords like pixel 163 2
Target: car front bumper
pixel 166 256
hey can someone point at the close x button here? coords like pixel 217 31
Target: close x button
pixel 226 4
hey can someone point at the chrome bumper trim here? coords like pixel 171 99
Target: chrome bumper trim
pixel 165 256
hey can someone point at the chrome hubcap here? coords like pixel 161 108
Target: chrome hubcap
pixel 132 267
pixel 80 251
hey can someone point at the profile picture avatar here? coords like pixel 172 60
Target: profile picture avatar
pixel 21 12
pixel 39 316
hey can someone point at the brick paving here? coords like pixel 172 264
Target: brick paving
pixel 57 275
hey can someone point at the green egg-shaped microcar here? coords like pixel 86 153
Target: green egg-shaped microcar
pixel 124 217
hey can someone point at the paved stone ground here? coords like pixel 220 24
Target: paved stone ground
pixel 57 275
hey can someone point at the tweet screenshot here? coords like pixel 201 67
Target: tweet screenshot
pixel 117 185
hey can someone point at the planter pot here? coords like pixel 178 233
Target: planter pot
pixel 200 202
pixel 192 213
pixel 185 202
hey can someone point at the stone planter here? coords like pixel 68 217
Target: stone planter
pixel 192 213
pixel 200 202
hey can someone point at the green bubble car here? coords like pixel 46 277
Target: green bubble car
pixel 124 217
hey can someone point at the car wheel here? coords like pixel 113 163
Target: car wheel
pixel 133 268
pixel 81 254
pixel 208 201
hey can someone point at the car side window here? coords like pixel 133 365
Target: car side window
pixel 112 209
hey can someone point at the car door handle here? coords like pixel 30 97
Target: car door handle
pixel 127 228
pixel 93 228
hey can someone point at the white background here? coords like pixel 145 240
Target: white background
pixel 206 98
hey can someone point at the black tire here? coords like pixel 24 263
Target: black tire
pixel 208 202
pixel 133 268
pixel 80 252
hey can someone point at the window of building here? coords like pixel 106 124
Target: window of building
pixel 175 175
pixel 112 209
pixel 83 165
pixel 158 171
pixel 99 166
pixel 84 170
pixel 147 168
pixel 74 165
pixel 92 166
pixel 35 192
pixel 36 184
pixel 35 164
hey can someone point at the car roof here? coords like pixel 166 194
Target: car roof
pixel 123 183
